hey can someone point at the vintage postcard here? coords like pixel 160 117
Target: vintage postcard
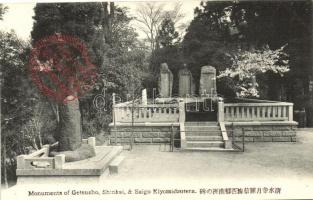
pixel 156 99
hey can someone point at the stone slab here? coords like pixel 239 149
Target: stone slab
pixel 113 167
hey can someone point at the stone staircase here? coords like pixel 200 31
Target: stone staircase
pixel 206 136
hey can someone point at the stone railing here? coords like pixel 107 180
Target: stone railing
pixel 40 160
pixel 149 113
pixel 258 111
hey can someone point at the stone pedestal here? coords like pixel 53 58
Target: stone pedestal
pixel 207 80
pixel 186 83
pixel 165 82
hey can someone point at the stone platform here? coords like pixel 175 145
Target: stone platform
pixel 91 169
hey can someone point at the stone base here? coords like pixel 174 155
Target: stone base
pixel 144 134
pixel 91 169
pixel 263 132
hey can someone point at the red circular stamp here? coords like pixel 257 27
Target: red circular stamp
pixel 60 67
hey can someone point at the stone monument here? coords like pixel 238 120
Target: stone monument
pixel 207 80
pixel 165 82
pixel 144 99
pixel 186 83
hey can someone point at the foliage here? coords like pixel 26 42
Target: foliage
pixel 168 36
pixel 3 9
pixel 170 53
pixel 220 28
pixel 150 16
pixel 248 64
pixel 113 48
pixel 18 100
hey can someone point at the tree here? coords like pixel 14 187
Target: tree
pixel 169 52
pixel 18 100
pixel 112 45
pixel 246 65
pixel 220 28
pixel 208 39
pixel 83 21
pixel 168 36
pixel 3 9
pixel 123 63
pixel 150 16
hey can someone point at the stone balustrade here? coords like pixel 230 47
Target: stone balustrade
pixel 260 111
pixel 149 113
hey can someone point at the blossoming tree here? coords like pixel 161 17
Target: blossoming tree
pixel 247 64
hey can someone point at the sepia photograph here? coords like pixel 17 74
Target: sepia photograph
pixel 156 99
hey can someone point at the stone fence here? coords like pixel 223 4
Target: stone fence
pixel 40 159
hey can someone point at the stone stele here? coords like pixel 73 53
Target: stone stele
pixel 186 83
pixel 165 82
pixel 207 80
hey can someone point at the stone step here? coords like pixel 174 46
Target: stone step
pixel 114 165
pixel 202 128
pixel 203 133
pixel 214 149
pixel 204 138
pixel 201 144
pixel 201 123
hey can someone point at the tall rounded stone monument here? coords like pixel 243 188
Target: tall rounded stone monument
pixel 165 82
pixel 207 80
pixel 186 83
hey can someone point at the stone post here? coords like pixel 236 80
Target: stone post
pixel 290 113
pixel 144 99
pixel 46 146
pixel 92 142
pixel 20 161
pixel 182 115
pixel 59 161
pixel 182 119
pixel 220 113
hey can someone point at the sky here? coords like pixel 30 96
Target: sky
pixel 19 15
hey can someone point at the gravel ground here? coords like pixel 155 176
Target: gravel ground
pixel 261 161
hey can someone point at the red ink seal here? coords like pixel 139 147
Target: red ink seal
pixel 60 67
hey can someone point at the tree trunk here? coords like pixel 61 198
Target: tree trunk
pixel 274 91
pixel 5 173
pixel 69 134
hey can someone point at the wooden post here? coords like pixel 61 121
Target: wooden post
pixel 243 139
pixel 172 139
pixel 113 109
pixel 114 120
pixel 233 133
